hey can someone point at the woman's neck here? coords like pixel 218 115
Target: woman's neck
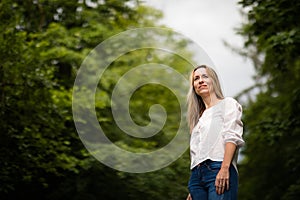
pixel 210 100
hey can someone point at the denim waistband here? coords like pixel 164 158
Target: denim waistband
pixel 206 162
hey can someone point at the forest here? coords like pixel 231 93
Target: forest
pixel 44 43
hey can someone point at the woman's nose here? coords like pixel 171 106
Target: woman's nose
pixel 201 80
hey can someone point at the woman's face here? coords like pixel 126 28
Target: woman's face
pixel 202 82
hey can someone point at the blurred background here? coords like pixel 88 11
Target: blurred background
pixel 254 44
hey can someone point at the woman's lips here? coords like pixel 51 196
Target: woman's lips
pixel 202 86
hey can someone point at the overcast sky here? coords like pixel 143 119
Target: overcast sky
pixel 208 23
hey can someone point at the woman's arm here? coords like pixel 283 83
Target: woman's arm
pixel 222 179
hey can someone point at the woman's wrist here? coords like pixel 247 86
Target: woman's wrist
pixel 225 166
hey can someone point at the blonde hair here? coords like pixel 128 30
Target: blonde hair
pixel 196 105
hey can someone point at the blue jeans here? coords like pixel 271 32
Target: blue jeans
pixel 202 182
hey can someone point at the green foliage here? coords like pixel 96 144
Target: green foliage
pixel 269 170
pixel 42 46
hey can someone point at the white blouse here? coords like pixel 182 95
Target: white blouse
pixel 218 125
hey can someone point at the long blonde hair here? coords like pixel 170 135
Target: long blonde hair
pixel 196 105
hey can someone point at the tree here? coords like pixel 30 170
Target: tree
pixel 43 43
pixel 269 170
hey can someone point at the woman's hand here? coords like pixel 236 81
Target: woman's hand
pixel 189 197
pixel 222 180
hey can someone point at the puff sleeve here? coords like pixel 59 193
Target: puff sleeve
pixel 232 130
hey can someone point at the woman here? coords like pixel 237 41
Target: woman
pixel 216 135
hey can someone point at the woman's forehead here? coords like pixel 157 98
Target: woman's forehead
pixel 200 71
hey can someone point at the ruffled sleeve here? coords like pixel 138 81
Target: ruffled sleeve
pixel 233 126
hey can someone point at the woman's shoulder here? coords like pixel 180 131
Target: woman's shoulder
pixel 230 101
